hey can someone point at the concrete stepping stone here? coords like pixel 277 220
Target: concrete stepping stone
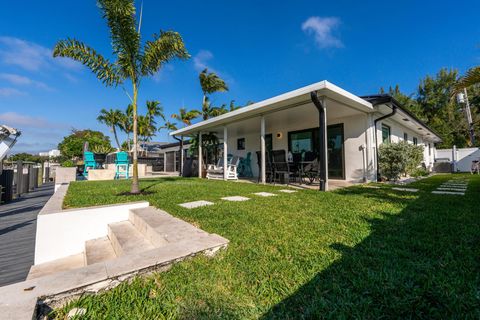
pixel 196 204
pixel 235 198
pixel 287 191
pixel 405 189
pixel 265 194
pixel 452 189
pixel 449 192
pixel 372 187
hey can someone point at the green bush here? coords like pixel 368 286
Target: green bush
pixel 419 172
pixel 399 158
pixel 68 163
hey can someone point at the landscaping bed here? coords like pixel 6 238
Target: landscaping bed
pixel 354 253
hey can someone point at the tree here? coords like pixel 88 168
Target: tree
pixel 471 78
pixel 399 158
pixel 133 62
pixel 72 145
pixel 186 118
pixel 126 125
pixel 210 83
pixel 111 118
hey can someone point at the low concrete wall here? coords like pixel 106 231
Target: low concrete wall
pixel 101 174
pixel 62 233
pixel 64 175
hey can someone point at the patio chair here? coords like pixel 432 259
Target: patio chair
pixel 475 168
pixel 245 166
pixel 88 162
pixel 216 172
pixel 122 165
pixel 281 166
pixel 268 167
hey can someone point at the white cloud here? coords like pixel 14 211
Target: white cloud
pixel 11 92
pixel 200 60
pixel 22 121
pixel 162 73
pixel 322 29
pixel 19 80
pixel 31 56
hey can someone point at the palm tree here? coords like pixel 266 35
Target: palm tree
pixel 126 123
pixel 186 118
pixel 154 110
pixel 471 78
pixel 113 119
pixel 210 83
pixel 133 61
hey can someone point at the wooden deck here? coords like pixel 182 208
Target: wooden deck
pixel 18 220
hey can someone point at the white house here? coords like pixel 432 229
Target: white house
pixel 344 129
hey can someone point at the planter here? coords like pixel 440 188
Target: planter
pixel 100 158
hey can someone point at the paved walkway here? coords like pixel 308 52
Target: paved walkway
pixel 18 220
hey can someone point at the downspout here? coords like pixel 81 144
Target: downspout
pixel 321 143
pixel 394 110
pixel 180 170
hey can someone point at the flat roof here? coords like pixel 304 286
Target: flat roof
pixel 302 95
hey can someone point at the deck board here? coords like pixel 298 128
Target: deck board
pixel 18 220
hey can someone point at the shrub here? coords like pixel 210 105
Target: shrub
pixel 399 158
pixel 68 163
pixel 419 172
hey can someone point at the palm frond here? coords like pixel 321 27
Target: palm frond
pixel 471 78
pixel 211 82
pixel 78 51
pixel 164 48
pixel 120 17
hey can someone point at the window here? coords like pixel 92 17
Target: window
pixel 241 144
pixel 429 149
pixel 385 133
pixel 301 141
pixel 405 136
pixel 415 140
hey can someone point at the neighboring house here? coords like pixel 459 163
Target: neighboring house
pixel 52 153
pixel 291 122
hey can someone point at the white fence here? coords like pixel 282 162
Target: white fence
pixel 460 158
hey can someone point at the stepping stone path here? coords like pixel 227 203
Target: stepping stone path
pixel 265 194
pixel 405 189
pixel 236 198
pixel 453 187
pixel 287 191
pixel 196 204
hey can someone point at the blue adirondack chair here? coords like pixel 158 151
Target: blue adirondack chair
pixel 88 162
pixel 122 165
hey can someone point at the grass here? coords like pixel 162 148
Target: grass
pixel 354 253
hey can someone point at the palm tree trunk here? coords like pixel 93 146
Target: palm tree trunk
pixel 135 187
pixel 116 138
pixel 204 110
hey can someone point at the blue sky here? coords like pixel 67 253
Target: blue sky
pixel 261 48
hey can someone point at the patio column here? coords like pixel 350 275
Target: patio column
pixel 321 105
pixel 225 153
pixel 262 149
pixel 200 154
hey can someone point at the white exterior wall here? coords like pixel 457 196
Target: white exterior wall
pixel 397 130
pixel 355 136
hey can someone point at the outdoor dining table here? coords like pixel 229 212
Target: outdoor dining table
pixel 300 166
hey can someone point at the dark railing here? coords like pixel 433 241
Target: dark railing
pixel 17 178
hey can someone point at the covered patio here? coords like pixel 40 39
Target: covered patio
pixel 320 128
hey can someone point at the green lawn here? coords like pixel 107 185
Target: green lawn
pixel 354 253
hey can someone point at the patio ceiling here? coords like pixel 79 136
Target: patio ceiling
pixel 285 101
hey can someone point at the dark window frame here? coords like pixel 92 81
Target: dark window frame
pixel 415 141
pixel 385 126
pixel 405 136
pixel 241 144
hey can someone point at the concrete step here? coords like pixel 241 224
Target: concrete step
pixel 161 228
pixel 126 239
pixel 98 250
pixel 59 265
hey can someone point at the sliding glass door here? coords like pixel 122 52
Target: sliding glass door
pixel 305 141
